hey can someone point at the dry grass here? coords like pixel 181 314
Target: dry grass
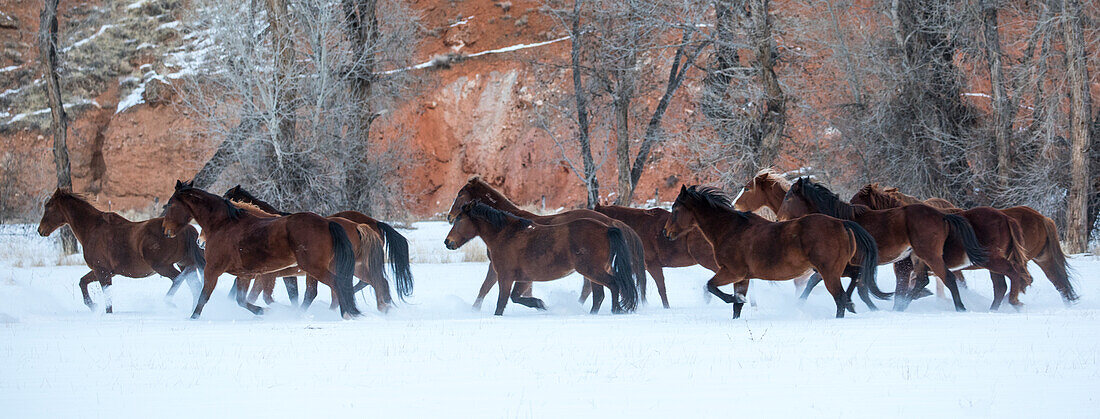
pixel 22 247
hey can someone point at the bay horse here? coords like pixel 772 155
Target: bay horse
pixel 660 251
pixel 397 246
pixel 522 251
pixel 369 261
pixel 113 245
pixel 245 245
pixel 747 245
pixel 477 190
pixel 768 188
pixel 1005 231
pixel 918 230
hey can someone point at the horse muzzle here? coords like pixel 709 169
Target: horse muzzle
pixel 450 244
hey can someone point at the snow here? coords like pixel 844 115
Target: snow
pixel 462 21
pixel 435 356
pixel 517 47
pixel 67 106
pixel 8 68
pixel 81 42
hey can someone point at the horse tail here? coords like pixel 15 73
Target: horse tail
pixel 344 263
pixel 637 251
pixel 376 261
pixel 1060 271
pixel 867 250
pixel 962 228
pixel 194 252
pixel 622 271
pixel 398 248
pixel 1016 253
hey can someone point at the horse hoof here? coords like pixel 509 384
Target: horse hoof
pixel 109 310
pixel 194 317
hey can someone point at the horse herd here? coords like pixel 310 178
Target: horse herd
pixel 818 238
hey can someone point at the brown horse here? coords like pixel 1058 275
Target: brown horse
pixel 660 251
pixel 768 189
pixel 369 260
pixel 477 190
pixel 1011 245
pixel 397 246
pixel 522 251
pixel 114 245
pixel 917 230
pixel 246 245
pixel 747 245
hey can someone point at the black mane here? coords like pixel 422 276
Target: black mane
pixel 237 193
pixel 497 218
pixel 710 197
pixel 231 210
pixel 825 201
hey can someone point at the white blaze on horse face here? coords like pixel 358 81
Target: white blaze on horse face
pixel 738 195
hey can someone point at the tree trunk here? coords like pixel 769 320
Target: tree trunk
pixel 681 62
pixel 592 185
pixel 720 75
pixel 773 120
pixel 283 121
pixel 1002 107
pixel 226 153
pixel 47 51
pixel 622 145
pixel 363 33
pixel 1076 232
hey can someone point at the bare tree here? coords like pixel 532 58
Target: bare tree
pixel 293 89
pixel 1003 108
pixel 47 50
pixel 1076 231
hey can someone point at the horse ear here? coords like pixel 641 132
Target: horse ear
pixel 683 188
pixel 179 184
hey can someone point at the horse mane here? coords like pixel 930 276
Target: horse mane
pixel 497 218
pixel 774 176
pixel 878 198
pixel 710 197
pixel 251 208
pixel 825 201
pixel 231 210
pixel 243 196
pixel 479 184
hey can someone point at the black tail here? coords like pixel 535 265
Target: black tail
pixel 868 265
pixel 376 264
pixel 1061 272
pixel 622 270
pixel 398 248
pixel 965 232
pixel 194 252
pixel 637 250
pixel 344 263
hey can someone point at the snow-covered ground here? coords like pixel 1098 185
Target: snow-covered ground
pixel 436 356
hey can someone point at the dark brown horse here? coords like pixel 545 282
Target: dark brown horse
pixel 918 230
pixel 246 245
pixel 369 260
pixel 662 252
pixel 397 246
pixel 113 245
pixel 1010 243
pixel 477 190
pixel 768 189
pixel 747 245
pixel 522 251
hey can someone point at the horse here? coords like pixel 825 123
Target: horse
pixel 245 245
pixel 369 261
pixel 522 251
pixel 1016 234
pixel 918 230
pixel 747 245
pixel 397 246
pixel 768 188
pixel 114 245
pixel 477 190
pixel 692 249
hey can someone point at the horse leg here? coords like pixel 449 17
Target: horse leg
pixel 641 284
pixel 1020 279
pixel 800 284
pixel 519 298
pixel 836 288
pixel 258 285
pixel 851 307
pixel 658 275
pixel 490 279
pixel 209 281
pixel 311 292
pixel 940 269
pixel 170 272
pixel 741 289
pixel 809 284
pixel 84 281
pixel 381 287
pixel 586 290
pixel 105 285
pixel 504 288
pixel 719 280
pixel 242 300
pixel 291 283
pixel 902 270
pixel 864 294
pixel 999 289
pixel 597 297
